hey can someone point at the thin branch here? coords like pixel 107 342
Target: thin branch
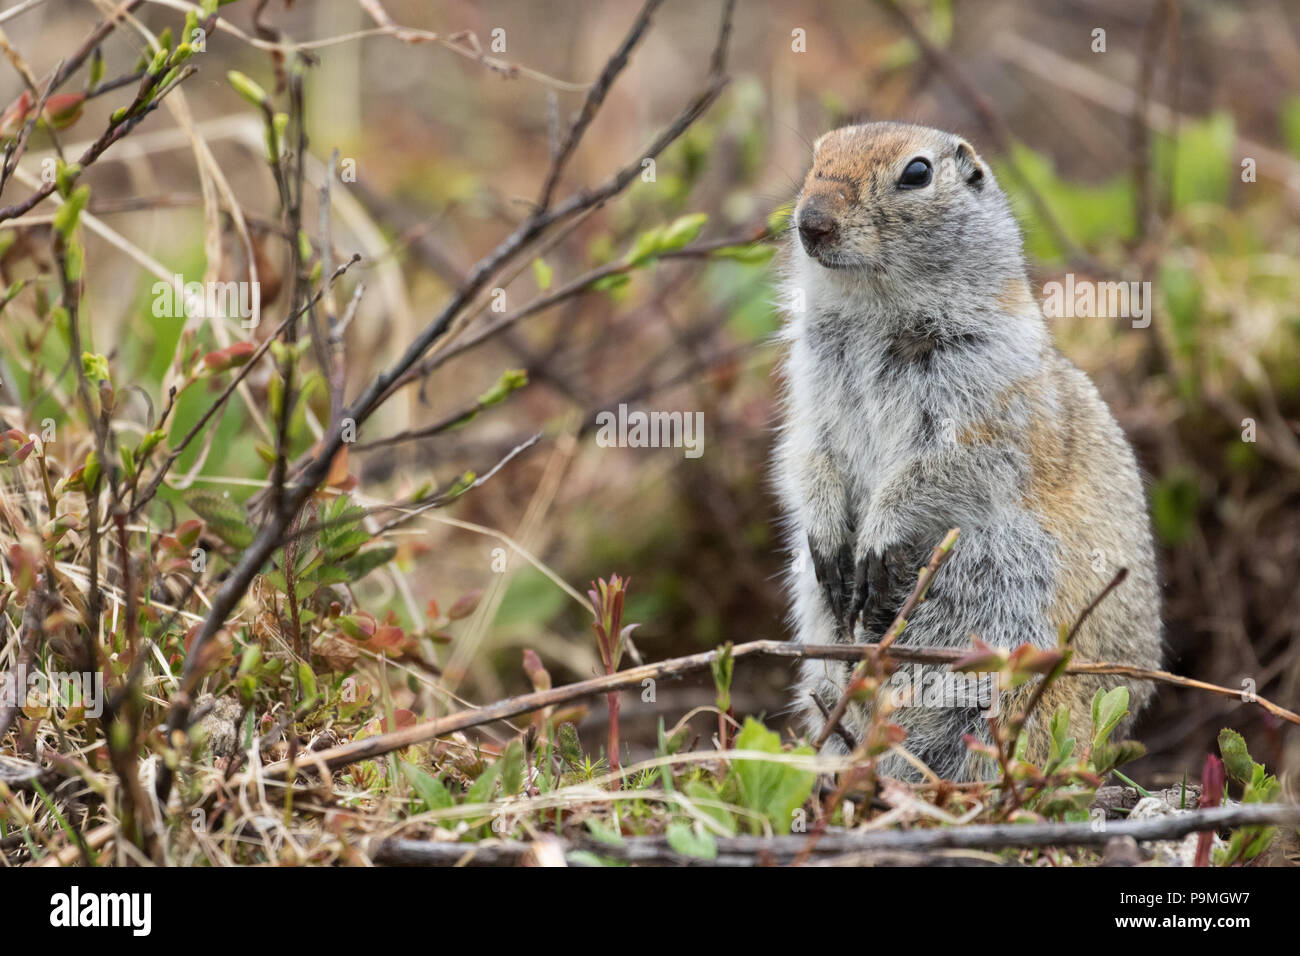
pixel 595 99
pixel 784 849
pixel 1115 582
pixel 136 112
pixel 572 288
pixel 96 37
pixel 220 402
pixel 30 631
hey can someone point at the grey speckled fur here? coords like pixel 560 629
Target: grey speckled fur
pixel 922 392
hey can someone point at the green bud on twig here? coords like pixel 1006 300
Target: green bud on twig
pixel 68 215
pixel 511 380
pixel 246 88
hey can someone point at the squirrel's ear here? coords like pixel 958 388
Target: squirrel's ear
pixel 969 165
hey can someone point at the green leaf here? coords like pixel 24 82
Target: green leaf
pixel 587 858
pixel 224 516
pixel 722 666
pixel 96 72
pixel 1108 709
pixel 128 461
pixel 755 254
pixel 775 790
pixel 68 215
pixel 431 791
pixel 688 842
pixel 362 563
pixel 1236 758
pixel 705 795
pixel 683 231
pixel 95 366
pixel 1091 213
pixel 65 174
pixel 76 261
pixel 246 88
pixel 645 247
pixel 159 61
pixel 1291 124
pixel 307 680
pixel 511 380
pixel 1062 745
pixel 611 282
pixel 481 790
pixel 602 833
pixel 1203 164
pixel 512 769
pixel 542 273
pixel 341 532
pixel 90 472
pixel 778 220
pixel 329 574
pixel 351 626
pixel 343 542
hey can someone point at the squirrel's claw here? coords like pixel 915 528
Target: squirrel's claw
pixel 834 574
pixel 870 585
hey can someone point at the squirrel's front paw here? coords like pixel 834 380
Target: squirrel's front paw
pixel 870 586
pixel 834 570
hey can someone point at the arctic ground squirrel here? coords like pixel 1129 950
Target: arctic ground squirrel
pixel 923 392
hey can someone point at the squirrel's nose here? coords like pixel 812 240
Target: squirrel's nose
pixel 816 227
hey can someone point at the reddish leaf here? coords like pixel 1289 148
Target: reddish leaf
pixel 64 109
pixel 358 626
pixel 386 637
pixel 465 604
pixel 982 657
pixel 1212 781
pixel 15 114
pixel 1026 657
pixel 537 673
pixel 230 357
pixel 338 476
pixel 402 718
pixel 187 532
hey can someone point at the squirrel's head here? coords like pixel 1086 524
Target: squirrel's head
pixel 895 203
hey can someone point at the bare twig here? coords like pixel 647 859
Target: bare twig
pixel 837 726
pixel 570 289
pixel 595 98
pixel 747 850
pixel 29 633
pixel 1115 582
pixel 220 401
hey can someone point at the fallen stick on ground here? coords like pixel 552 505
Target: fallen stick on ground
pixel 747 850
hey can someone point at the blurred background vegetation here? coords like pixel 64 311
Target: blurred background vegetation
pixel 1125 164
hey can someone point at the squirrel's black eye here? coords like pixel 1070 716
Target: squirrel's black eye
pixel 917 174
